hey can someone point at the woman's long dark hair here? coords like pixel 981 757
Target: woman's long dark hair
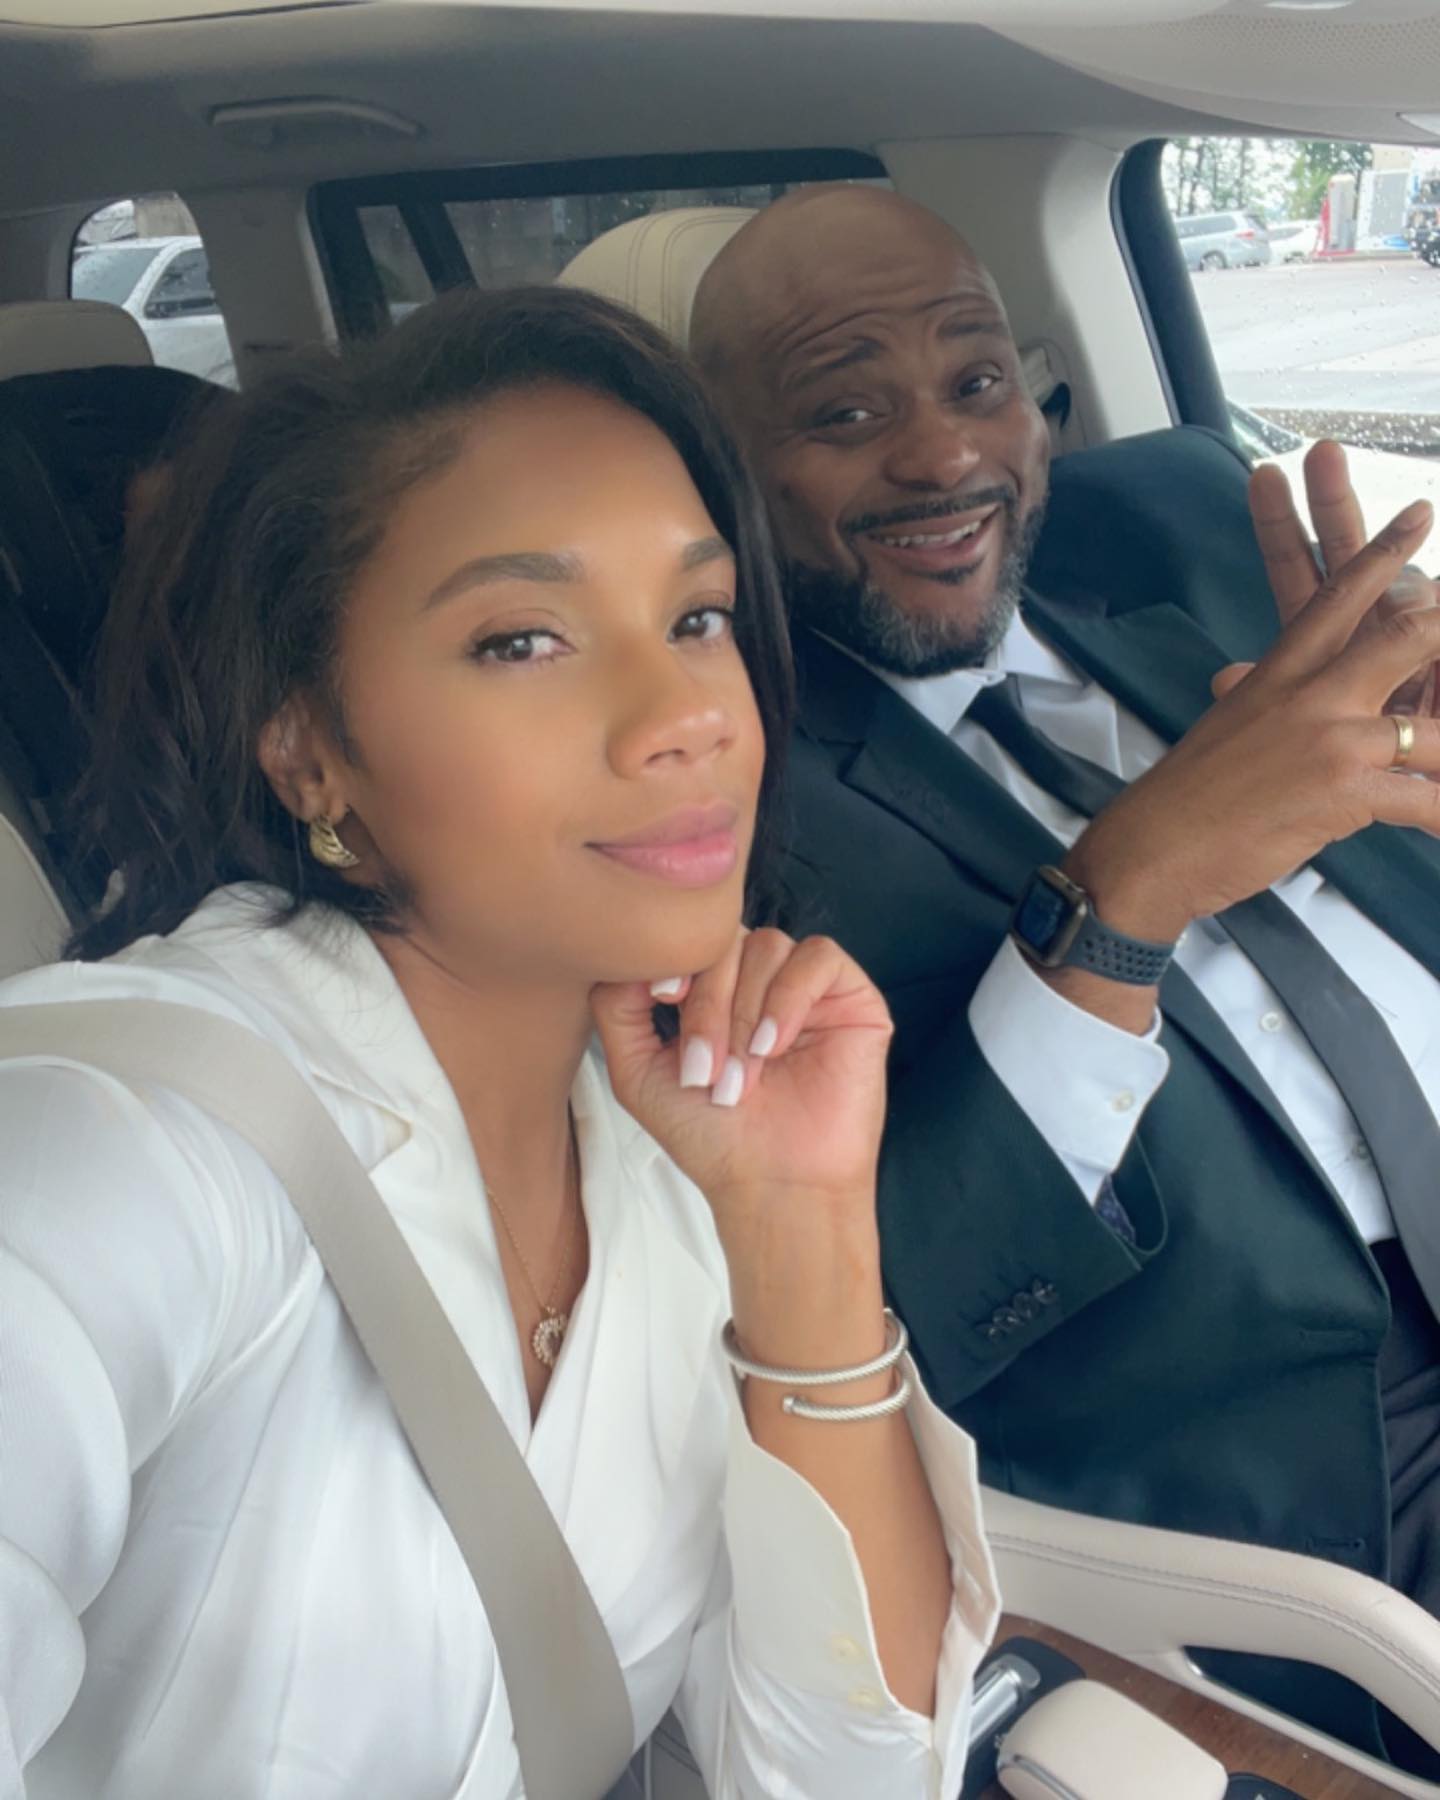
pixel 232 601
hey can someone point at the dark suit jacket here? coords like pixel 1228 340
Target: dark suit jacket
pixel 1217 1376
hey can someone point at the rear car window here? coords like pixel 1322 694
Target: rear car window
pixel 145 254
pixel 183 287
pixel 392 243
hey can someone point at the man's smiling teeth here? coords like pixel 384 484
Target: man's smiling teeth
pixel 932 540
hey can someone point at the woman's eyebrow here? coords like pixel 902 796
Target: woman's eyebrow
pixel 705 550
pixel 550 567
pixel 547 566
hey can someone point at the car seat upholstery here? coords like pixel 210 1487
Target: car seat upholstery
pixel 72 434
pixel 654 265
pixel 37 336
pixel 1147 1595
pixel 32 920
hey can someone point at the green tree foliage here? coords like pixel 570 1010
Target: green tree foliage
pixel 1315 163
pixel 1276 177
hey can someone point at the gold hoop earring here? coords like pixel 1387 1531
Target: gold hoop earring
pixel 326 846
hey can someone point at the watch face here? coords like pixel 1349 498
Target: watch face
pixel 1040 916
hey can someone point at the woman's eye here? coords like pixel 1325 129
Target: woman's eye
pixel 978 384
pixel 707 624
pixel 518 647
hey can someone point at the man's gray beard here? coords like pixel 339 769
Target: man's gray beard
pixel 861 616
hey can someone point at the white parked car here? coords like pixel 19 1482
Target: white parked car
pixel 164 283
pixel 1294 240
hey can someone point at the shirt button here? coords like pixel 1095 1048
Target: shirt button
pixel 1123 1102
pixel 1360 1150
pixel 1271 1021
pixel 867 1699
pixel 844 1649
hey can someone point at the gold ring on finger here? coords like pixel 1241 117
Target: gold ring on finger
pixel 1404 738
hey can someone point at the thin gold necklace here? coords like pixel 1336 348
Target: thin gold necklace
pixel 549 1334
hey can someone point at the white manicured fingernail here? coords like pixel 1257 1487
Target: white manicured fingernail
pixel 731 1084
pixel 667 989
pixel 767 1035
pixel 696 1064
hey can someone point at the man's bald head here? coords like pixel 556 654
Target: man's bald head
pixel 862 352
pixel 781 267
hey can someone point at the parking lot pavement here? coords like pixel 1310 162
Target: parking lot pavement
pixel 1357 337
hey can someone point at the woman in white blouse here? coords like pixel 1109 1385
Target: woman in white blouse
pixel 435 714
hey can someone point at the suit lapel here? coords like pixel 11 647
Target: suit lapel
pixel 1156 660
pixel 886 751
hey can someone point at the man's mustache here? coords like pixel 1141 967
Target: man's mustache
pixel 921 512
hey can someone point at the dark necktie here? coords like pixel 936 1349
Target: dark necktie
pixel 1342 1027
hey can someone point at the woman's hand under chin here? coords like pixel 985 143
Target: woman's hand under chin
pixel 789 1171
pixel 781 1051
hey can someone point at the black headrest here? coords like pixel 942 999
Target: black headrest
pixel 70 441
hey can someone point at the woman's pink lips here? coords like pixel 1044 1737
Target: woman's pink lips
pixel 693 862
pixel 695 846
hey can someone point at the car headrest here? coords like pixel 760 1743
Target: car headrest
pixel 33 926
pixel 654 265
pixel 40 336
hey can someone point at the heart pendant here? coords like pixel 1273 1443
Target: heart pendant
pixel 548 1336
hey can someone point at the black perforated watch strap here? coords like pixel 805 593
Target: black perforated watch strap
pixel 1134 961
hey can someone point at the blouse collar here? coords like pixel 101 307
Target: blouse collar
pixel 321 976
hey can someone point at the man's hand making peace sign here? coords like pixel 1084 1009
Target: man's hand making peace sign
pixel 1339 534
pixel 1299 750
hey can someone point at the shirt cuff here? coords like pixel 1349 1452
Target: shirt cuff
pixel 1082 1083
pixel 801 1611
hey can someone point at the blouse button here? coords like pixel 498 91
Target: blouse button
pixel 867 1700
pixel 844 1649
pixel 1271 1021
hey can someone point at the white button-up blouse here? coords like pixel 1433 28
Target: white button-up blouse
pixel 221 1572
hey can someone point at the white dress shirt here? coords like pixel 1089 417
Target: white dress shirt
pixel 221 1572
pixel 1084 1084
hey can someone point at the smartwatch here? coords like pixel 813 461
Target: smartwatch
pixel 1054 924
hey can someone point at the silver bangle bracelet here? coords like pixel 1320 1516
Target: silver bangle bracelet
pixel 887 1359
pixel 801 1408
